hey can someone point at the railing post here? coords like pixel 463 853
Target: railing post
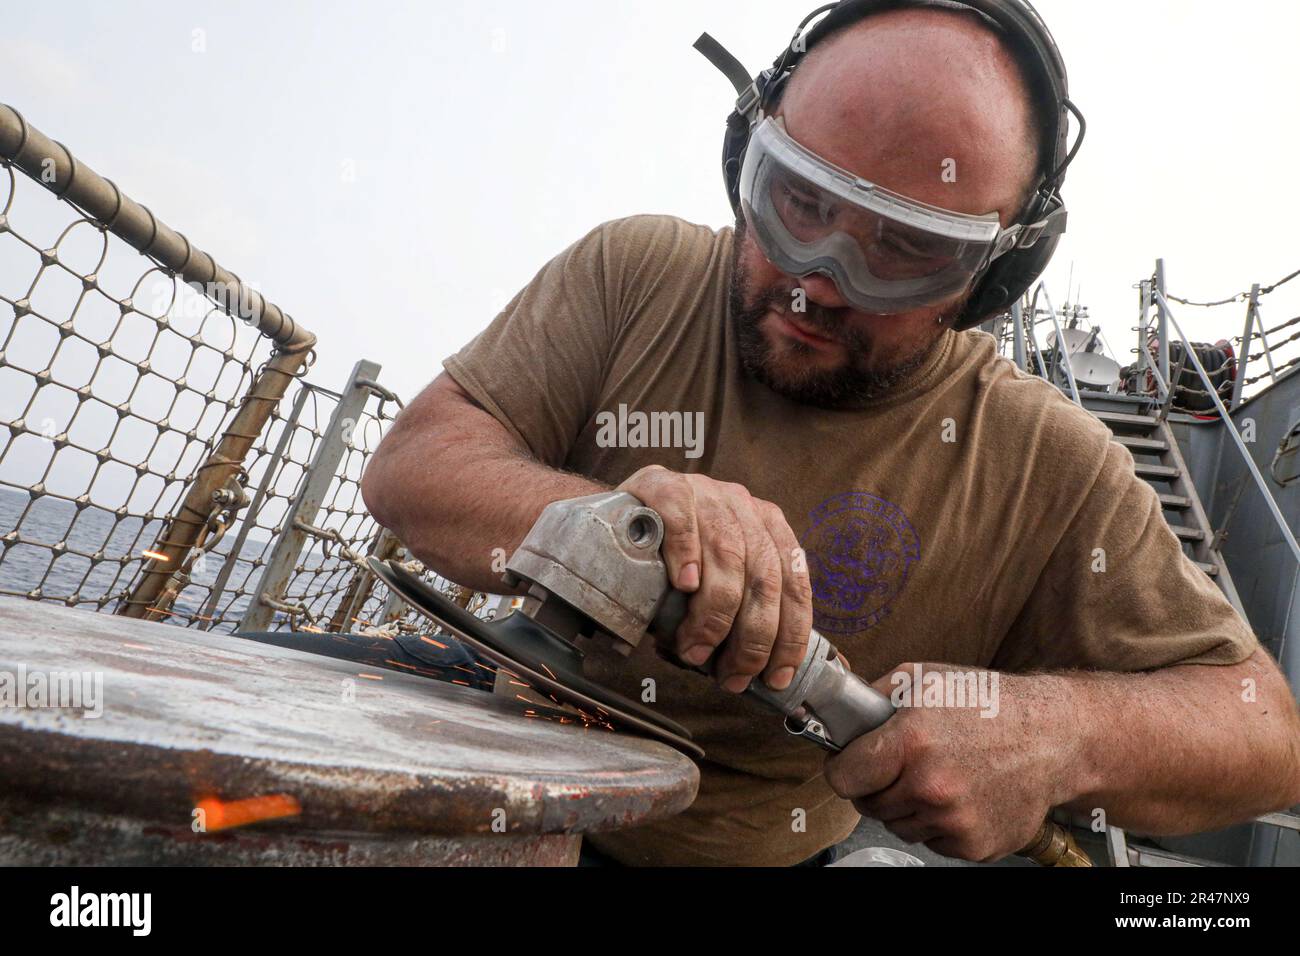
pixel 1263 342
pixel 1018 335
pixel 1247 333
pixel 324 465
pixel 250 516
pixel 1143 359
pixel 1062 351
pixel 362 583
pixel 1162 345
pixel 155 590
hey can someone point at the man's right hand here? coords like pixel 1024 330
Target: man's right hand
pixel 741 563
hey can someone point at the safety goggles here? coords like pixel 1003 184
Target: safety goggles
pixel 886 253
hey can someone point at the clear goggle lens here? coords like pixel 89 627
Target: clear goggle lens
pixel 886 253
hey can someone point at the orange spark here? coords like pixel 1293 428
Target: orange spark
pixel 223 815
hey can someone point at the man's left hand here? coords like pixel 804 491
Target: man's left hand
pixel 968 786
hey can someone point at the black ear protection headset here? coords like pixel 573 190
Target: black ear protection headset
pixel 1008 277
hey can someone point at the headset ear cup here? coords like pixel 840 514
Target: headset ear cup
pixel 1006 281
pixel 1009 278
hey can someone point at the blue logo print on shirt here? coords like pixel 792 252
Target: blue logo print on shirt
pixel 860 549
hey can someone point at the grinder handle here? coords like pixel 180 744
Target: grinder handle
pixel 844 703
pixel 1054 845
pixel 670 613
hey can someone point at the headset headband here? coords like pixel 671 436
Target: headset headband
pixel 1023 30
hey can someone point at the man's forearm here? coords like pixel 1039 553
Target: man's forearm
pixel 455 486
pixel 1187 748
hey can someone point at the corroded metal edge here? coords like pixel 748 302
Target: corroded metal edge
pixel 33 835
pixel 163 785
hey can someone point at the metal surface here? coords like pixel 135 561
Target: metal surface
pixel 362 583
pixel 1287 821
pixel 289 543
pixel 188 715
pixel 403 653
pixel 1062 355
pixel 1117 847
pixel 546 662
pixel 1018 334
pixel 1162 319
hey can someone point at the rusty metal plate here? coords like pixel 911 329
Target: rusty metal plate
pixel 188 715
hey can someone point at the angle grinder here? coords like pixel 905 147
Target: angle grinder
pixel 592 568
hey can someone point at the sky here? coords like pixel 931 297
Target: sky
pixel 390 173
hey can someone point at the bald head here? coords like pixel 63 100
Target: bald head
pixel 926 102
pixel 904 96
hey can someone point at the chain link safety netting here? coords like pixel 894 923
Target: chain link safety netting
pixel 115 380
pixel 118 381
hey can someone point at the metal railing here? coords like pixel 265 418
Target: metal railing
pixel 1156 372
pixel 1238 441
pixel 1019 331
pixel 1280 355
pixel 162 454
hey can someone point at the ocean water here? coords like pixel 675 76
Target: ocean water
pixel 49 521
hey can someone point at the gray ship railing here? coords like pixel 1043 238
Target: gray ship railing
pixel 1154 294
pixel 1280 355
pixel 1030 333
pixel 162 454
pixel 1206 379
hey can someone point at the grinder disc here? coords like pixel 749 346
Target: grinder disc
pixel 544 660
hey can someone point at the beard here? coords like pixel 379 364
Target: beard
pixel 790 374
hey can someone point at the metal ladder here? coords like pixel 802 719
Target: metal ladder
pixel 1136 424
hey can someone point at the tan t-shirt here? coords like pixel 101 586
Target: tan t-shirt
pixel 953 521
